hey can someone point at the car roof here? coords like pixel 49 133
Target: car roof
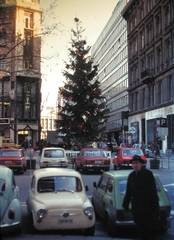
pixel 13 149
pixel 48 172
pixel 53 148
pixel 126 148
pixel 4 172
pixel 84 149
pixel 121 173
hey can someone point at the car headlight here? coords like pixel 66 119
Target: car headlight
pixel 88 211
pixel 41 213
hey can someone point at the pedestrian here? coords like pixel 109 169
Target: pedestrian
pixel 157 150
pixel 141 192
pixel 143 147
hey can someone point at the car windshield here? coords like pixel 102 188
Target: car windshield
pixel 54 153
pixel 95 153
pixel 59 184
pixel 10 153
pixel 2 185
pixel 132 152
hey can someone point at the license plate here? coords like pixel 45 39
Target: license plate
pixel 8 162
pixel 60 221
pixel 98 162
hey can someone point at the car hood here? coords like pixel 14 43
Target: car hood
pixel 3 206
pixel 62 199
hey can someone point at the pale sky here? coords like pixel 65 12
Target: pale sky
pixel 93 14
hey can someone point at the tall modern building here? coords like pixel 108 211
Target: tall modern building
pixel 20 77
pixel 150 28
pixel 110 52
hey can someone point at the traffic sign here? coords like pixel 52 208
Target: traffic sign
pixel 132 130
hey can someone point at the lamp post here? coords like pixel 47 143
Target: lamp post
pixel 12 95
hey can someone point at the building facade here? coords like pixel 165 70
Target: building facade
pixel 111 54
pixel 150 28
pixel 20 77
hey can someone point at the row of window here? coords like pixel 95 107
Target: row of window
pixel 152 95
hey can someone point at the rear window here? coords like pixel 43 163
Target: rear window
pixel 2 185
pixel 57 153
pixel 59 184
pixel 122 186
pixel 9 153
pixel 96 153
pixel 132 152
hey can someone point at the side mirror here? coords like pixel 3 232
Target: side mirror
pixel 94 184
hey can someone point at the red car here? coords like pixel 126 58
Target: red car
pixel 14 159
pixel 124 155
pixel 92 158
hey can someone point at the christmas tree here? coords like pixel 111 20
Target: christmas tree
pixel 83 114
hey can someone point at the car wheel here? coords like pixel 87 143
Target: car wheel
pixel 110 228
pixel 22 170
pixel 25 168
pixel 90 231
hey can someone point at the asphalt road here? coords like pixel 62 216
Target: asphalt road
pixel 166 174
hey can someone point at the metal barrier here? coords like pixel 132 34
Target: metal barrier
pixel 71 155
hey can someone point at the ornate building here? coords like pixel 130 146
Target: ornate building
pixel 150 28
pixel 20 77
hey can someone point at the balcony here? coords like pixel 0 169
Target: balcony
pixel 147 76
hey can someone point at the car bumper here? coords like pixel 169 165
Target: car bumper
pixel 15 168
pixel 9 227
pixel 100 167
pixel 46 165
pixel 57 223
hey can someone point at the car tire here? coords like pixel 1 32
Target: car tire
pixel 110 228
pixel 22 170
pixel 90 231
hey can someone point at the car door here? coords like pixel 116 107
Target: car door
pixel 99 195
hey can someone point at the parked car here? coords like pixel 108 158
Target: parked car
pixel 124 155
pixel 14 159
pixel 10 205
pixel 148 152
pixel 7 143
pixel 57 200
pixel 107 198
pixel 53 157
pixel 92 159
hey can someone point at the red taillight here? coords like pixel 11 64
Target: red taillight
pixel 11 214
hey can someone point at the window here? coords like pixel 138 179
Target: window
pixel 160 92
pixel 158 24
pixel 110 186
pixel 167 15
pixel 103 182
pixel 2 36
pixel 142 39
pixel 168 51
pixel 158 59
pixel 170 88
pixel 28 17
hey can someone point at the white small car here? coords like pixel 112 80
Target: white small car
pixel 10 205
pixel 53 157
pixel 57 201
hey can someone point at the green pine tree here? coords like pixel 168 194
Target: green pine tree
pixel 83 115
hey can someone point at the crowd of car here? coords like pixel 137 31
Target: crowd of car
pixel 57 197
